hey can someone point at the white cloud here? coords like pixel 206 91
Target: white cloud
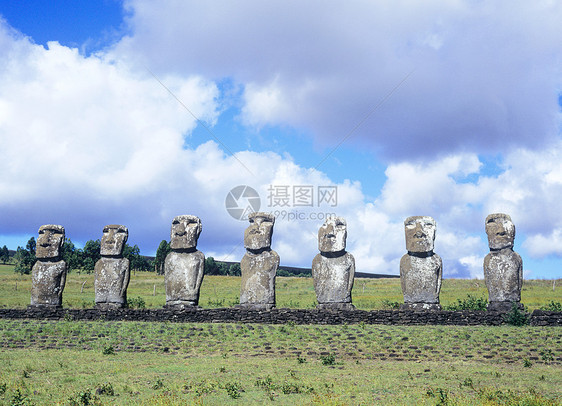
pixel 88 141
pixel 540 245
pixel 485 76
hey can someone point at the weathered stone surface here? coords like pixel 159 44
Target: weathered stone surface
pixel 503 267
pixel 421 269
pixel 333 269
pixel 185 232
pixel 48 274
pixel 111 281
pixel 113 240
pixel 420 233
pixel 184 265
pixel 49 242
pixel 183 278
pixel 259 264
pixel 420 278
pixel 258 280
pixel 258 234
pixel 112 271
pixel 281 316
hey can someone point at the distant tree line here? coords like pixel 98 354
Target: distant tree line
pixel 79 259
pixel 4 254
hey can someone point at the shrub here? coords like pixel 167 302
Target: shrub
pixel 108 350
pixel 470 303
pixel 84 399
pixel 388 304
pixel 233 389
pixel 159 384
pixel 516 316
pixel 137 303
pixel 106 389
pixel 547 356
pixel 442 395
pixel 329 359
pixel 553 306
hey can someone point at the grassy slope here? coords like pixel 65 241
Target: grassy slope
pixel 167 363
pixel 164 363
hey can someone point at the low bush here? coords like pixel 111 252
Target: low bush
pixel 516 316
pixel 470 303
pixel 553 306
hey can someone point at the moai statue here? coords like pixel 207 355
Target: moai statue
pixel 48 275
pixel 184 265
pixel 503 267
pixel 421 269
pixel 259 264
pixel 112 271
pixel 333 269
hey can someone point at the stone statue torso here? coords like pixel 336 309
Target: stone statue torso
pixel 258 277
pixel 503 272
pixel 333 278
pixel 48 279
pixel 421 278
pixel 183 276
pixel 111 280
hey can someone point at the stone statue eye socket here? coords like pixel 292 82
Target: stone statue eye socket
pixel 410 224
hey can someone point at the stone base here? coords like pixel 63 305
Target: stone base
pixel 181 305
pixel 421 307
pixel 44 306
pixel 109 306
pixel 255 306
pixel 335 306
pixel 503 307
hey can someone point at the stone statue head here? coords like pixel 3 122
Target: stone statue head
pixel 185 231
pixel 420 233
pixel 332 235
pixel 259 232
pixel 49 242
pixel 500 230
pixel 113 239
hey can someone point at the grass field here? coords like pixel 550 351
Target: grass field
pixel 139 363
pixel 291 292
pixel 130 363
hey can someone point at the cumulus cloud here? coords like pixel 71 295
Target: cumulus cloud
pixel 484 77
pixel 88 141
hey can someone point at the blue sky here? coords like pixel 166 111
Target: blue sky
pixel 133 113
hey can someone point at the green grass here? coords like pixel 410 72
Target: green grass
pixel 51 362
pixel 130 363
pixel 291 292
